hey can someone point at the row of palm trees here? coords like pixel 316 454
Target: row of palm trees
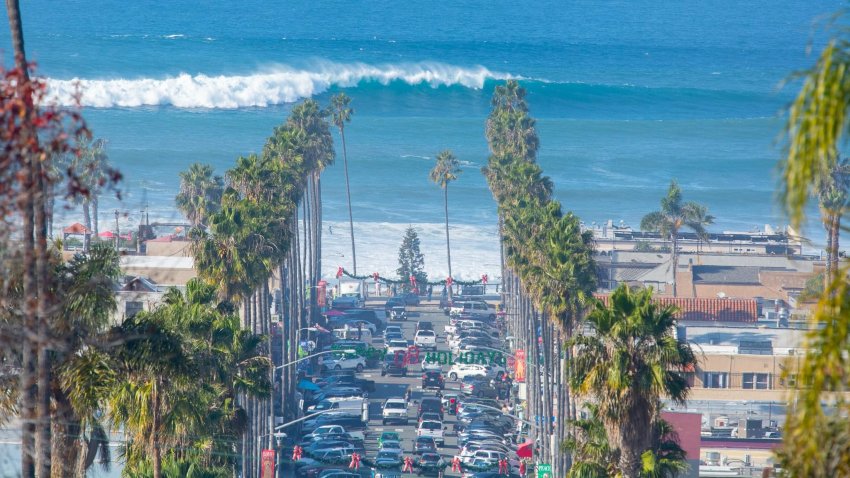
pixel 258 226
pixel 548 267
pixel 627 362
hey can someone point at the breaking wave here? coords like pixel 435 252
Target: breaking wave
pixel 273 86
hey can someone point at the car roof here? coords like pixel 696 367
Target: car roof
pixel 396 400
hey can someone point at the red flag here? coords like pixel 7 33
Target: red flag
pixel 484 279
pixel 339 272
pixel 413 280
pixel 449 281
pixel 375 276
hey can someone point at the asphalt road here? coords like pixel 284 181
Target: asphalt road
pixel 395 387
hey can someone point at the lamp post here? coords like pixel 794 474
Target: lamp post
pixel 348 351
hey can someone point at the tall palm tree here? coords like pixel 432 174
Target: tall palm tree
pixel 200 193
pixel 629 362
pixel 673 216
pixel 341 114
pixel 91 165
pixel 832 196
pixel 445 171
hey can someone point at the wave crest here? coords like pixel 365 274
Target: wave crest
pixel 281 84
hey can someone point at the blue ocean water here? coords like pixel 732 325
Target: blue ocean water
pixel 628 95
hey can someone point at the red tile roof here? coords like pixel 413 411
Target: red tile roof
pixel 707 310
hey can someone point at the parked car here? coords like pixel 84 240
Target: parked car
pixel 387 459
pixel 426 339
pixel 431 429
pixel 424 325
pixel 394 302
pixel 388 436
pixel 394 410
pixel 479 386
pixel 433 380
pixel 478 309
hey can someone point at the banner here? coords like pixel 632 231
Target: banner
pixel 322 294
pixel 519 366
pixel 267 468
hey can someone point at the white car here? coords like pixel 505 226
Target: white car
pixel 395 346
pixel 344 361
pixel 477 309
pixel 393 329
pixel 491 457
pixel 430 363
pixel 461 370
pixel 433 429
pixel 395 410
pixel 426 339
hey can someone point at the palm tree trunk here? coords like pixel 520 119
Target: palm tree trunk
pixel 348 195
pixel 95 219
pixel 828 274
pixel 674 239
pixel 87 223
pixel 43 289
pixel 448 243
pixel 836 231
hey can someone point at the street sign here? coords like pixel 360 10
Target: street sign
pixel 267 468
pixel 544 470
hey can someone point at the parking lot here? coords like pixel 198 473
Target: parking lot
pixel 396 387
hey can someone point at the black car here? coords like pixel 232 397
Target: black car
pixel 433 380
pixel 394 365
pixel 430 404
pixel 347 380
pixel 424 325
pixel 424 445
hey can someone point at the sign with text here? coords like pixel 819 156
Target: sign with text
pixel 544 470
pixel 267 468
pixel 519 366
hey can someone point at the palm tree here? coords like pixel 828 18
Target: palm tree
pixel 673 216
pixel 816 442
pixel 91 165
pixel 832 196
pixel 445 171
pixel 200 193
pixel 629 362
pixel 341 113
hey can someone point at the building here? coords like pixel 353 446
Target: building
pixel 136 294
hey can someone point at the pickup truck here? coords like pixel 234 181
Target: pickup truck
pixel 433 429
pixel 426 339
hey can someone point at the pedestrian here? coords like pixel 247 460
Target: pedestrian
pixel 408 465
pixel 430 292
pixel 355 461
pixel 407 394
pixel 297 452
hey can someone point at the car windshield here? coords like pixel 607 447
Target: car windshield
pixel 432 374
pixel 387 454
pixel 390 444
pixel 430 457
pixel 431 425
pixel 389 436
pixel 323 405
pixel 398 343
pixel 395 405
pixel 425 333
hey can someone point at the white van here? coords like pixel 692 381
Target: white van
pixel 352 333
pixel 346 406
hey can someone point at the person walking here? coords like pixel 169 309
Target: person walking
pixel 430 292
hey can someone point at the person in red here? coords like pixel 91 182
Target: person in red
pixel 503 466
pixel 455 464
pixel 355 461
pixel 297 453
pixel 522 467
pixel 408 465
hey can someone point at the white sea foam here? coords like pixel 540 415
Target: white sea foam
pixel 475 249
pixel 272 86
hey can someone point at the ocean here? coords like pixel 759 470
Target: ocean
pixel 628 95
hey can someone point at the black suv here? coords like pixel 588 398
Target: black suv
pixel 394 365
pixel 430 404
pixel 433 380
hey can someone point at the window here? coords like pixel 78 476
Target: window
pixel 131 308
pixel 757 381
pixel 715 379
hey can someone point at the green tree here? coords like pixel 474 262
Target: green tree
pixel 411 262
pixel 673 216
pixel 445 171
pixel 200 193
pixel 341 112
pixel 629 362
pixel 816 441
pixel 832 198
pixel 593 456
